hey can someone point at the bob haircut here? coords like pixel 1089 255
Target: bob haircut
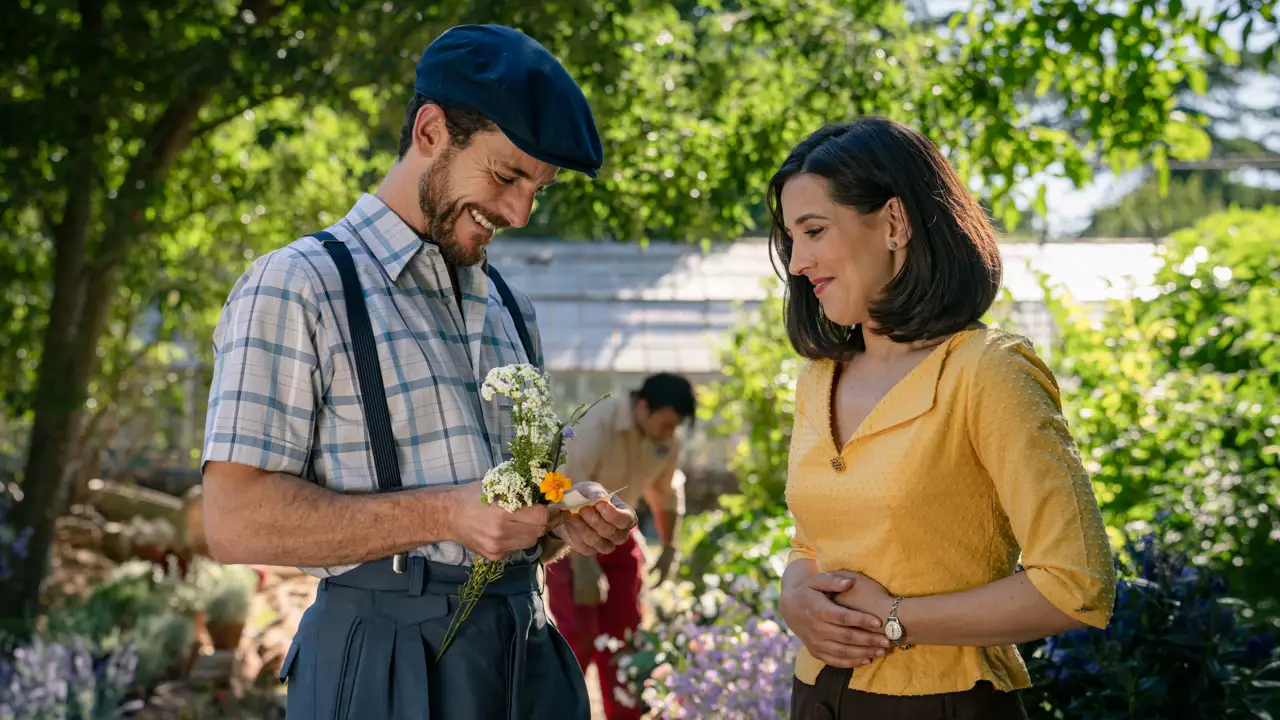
pixel 952 271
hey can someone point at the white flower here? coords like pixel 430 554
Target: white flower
pixel 505 487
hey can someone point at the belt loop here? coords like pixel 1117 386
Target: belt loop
pixel 324 583
pixel 417 575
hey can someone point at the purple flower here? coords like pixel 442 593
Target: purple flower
pixel 70 679
pixel 567 433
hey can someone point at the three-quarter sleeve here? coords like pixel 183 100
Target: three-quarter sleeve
pixel 1022 439
pixel 267 369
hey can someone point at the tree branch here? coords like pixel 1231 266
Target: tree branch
pixel 209 126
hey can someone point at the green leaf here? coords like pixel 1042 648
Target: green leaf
pixel 1187 141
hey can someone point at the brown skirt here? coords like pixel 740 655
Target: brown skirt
pixel 831 699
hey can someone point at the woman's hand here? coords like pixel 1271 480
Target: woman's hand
pixel 865 595
pixel 838 636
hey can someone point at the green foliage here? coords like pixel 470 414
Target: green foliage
pixel 752 405
pixel 230 599
pixel 164 642
pixel 1174 400
pixel 739 542
pixel 754 402
pixel 1145 212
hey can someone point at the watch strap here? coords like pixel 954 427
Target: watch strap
pixel 893 615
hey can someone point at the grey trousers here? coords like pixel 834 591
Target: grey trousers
pixel 367 649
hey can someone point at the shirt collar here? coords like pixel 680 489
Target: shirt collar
pixel 390 239
pixel 913 396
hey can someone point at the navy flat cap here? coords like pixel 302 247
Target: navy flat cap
pixel 509 78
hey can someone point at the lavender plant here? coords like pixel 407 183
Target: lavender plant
pixel 738 668
pixel 1177 647
pixel 64 681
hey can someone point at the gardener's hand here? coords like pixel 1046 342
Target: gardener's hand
pixel 590 586
pixel 836 635
pixel 599 528
pixel 489 530
pixel 666 560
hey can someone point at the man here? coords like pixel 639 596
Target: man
pixel 626 444
pixel 297 444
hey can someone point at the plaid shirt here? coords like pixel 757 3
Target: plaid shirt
pixel 285 396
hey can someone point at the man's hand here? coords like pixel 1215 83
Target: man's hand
pixel 491 531
pixel 662 566
pixel 600 528
pixel 590 586
pixel 836 635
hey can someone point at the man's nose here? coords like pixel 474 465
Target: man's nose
pixel 517 206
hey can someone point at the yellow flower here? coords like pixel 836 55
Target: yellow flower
pixel 553 486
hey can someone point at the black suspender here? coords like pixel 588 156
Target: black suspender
pixel 368 370
pixel 513 308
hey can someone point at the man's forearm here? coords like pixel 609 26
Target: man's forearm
pixel 668 524
pixel 276 519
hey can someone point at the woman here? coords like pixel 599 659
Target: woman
pixel 928 451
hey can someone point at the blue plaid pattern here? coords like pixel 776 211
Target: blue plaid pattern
pixel 285 396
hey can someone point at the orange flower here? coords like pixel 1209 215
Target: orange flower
pixel 553 486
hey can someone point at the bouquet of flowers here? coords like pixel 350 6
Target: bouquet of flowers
pixel 529 477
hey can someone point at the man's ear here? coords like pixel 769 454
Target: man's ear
pixel 430 133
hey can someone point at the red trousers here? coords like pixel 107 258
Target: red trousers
pixel 624 569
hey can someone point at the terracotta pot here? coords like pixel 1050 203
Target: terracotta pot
pixel 225 635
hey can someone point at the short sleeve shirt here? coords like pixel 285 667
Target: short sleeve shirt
pixel 609 449
pixel 285 397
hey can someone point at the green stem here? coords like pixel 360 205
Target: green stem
pixel 483 572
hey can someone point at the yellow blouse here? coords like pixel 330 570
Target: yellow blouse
pixel 964 464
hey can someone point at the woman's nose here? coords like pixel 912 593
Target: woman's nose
pixel 799 262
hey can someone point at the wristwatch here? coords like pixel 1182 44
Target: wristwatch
pixel 893 627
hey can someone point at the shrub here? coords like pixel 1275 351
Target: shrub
pixel 1176 647
pixel 754 403
pixel 739 541
pixel 164 643
pixel 1173 399
pixel 230 600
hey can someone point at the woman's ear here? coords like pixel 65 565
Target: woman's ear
pixel 899 224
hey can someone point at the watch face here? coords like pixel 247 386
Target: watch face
pixel 893 630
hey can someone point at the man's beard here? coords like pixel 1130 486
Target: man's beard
pixel 442 211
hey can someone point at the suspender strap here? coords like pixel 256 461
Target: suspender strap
pixel 509 302
pixel 368 370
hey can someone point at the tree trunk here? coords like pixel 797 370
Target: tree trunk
pixel 58 404
pixel 82 296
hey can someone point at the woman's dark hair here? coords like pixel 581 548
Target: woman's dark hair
pixel 461 124
pixel 952 270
